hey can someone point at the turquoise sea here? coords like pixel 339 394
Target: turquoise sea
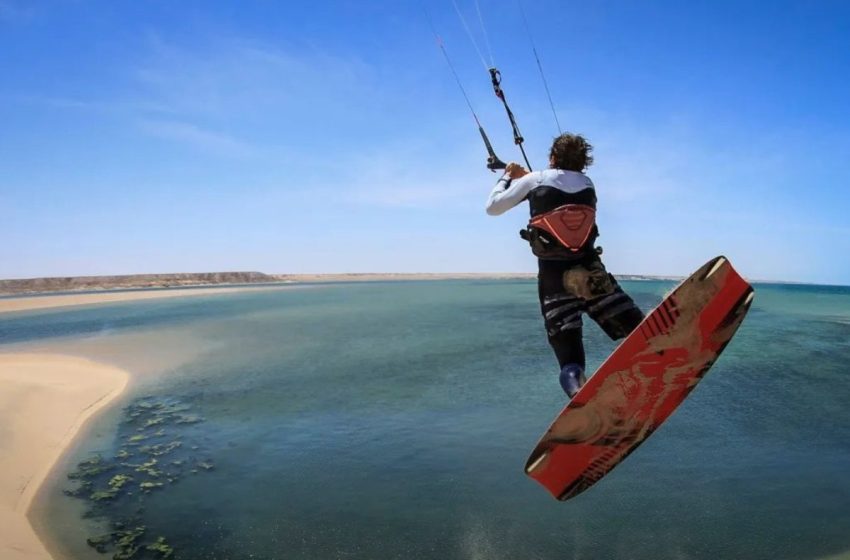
pixel 392 421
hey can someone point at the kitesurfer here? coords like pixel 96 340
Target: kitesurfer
pixel 571 277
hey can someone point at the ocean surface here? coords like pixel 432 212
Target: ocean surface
pixel 392 421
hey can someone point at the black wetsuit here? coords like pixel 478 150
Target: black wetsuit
pixel 568 287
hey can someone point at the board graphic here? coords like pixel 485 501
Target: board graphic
pixel 643 381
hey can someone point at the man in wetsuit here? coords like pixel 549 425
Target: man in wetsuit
pixel 571 277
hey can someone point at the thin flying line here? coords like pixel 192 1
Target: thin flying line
pixel 459 84
pixel 451 66
pixel 486 36
pixel 539 66
pixel 471 36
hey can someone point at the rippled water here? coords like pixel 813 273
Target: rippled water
pixel 392 420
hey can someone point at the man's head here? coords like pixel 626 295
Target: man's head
pixel 570 152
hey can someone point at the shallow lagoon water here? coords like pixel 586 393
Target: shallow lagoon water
pixel 392 420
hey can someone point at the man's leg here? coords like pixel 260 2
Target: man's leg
pixel 569 349
pixel 562 318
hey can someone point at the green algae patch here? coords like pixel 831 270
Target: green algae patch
pixel 148 486
pixel 119 480
pixel 90 468
pixel 150 457
pixel 161 547
pixel 101 495
pixel 149 469
pixel 127 543
pixel 100 543
pixel 189 419
pixel 153 422
pixel 161 449
pixel 83 489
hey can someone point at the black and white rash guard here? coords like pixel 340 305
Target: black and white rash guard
pixel 545 191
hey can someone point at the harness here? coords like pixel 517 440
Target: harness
pixel 564 233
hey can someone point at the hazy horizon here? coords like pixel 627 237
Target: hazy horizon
pixel 494 274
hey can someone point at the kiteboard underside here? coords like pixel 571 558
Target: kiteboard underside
pixel 642 381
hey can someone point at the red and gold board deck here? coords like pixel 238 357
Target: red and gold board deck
pixel 643 381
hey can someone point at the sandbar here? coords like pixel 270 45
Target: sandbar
pixel 45 399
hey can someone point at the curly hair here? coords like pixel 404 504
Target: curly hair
pixel 571 152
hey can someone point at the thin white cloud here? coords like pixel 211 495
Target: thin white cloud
pixel 234 76
pixel 408 176
pixel 126 107
pixel 198 137
pixel 272 97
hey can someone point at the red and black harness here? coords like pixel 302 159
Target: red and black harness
pixel 566 232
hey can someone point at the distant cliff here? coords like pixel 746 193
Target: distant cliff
pixel 87 283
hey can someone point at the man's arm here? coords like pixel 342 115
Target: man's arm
pixel 509 192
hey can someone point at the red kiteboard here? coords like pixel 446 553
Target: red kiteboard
pixel 642 381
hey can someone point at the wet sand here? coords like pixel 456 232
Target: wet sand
pixel 45 399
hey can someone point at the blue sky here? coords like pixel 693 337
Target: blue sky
pixel 330 136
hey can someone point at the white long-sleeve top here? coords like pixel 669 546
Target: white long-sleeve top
pixel 508 193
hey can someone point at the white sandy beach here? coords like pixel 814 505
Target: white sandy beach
pixel 45 399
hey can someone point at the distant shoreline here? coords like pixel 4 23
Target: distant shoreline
pixel 238 280
pixel 47 300
pixel 47 293
pixel 40 293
